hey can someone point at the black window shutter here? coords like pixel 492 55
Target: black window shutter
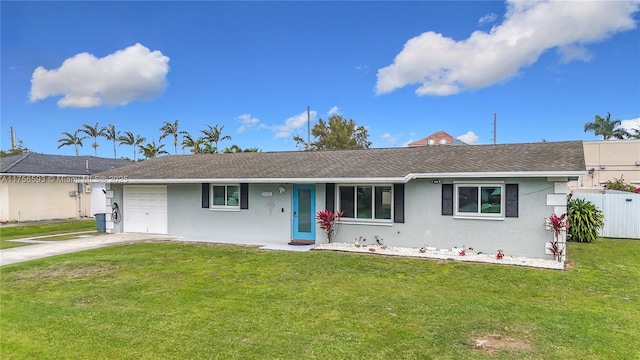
pixel 205 195
pixel 330 197
pixel 447 199
pixel 398 203
pixel 244 196
pixel 511 200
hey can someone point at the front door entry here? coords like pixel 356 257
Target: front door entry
pixel 304 211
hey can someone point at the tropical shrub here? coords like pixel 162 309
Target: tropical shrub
pixel 585 219
pixel 557 223
pixel 327 221
pixel 620 185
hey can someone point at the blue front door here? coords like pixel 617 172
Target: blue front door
pixel 304 211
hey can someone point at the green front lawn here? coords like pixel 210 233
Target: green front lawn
pixel 171 300
pixel 57 227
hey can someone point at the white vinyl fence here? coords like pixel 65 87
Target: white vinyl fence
pixel 621 213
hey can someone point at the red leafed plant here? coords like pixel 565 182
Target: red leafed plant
pixel 556 250
pixel 557 223
pixel 327 221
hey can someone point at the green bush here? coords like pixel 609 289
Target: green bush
pixel 585 220
pixel 620 185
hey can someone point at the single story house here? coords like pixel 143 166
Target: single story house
pixel 488 197
pixel 43 187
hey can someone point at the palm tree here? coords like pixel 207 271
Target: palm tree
pixel 171 129
pixel 212 136
pixel 94 132
pixel 253 149
pixel 233 149
pixel 111 134
pixel 207 148
pixel 134 140
pixel 189 142
pixel 151 150
pixel 71 139
pixel 606 127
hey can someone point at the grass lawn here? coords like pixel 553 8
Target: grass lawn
pixel 171 300
pixel 20 231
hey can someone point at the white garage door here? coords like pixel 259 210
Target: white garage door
pixel 145 209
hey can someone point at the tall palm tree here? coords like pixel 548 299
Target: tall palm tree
pixel 151 150
pixel 111 134
pixel 171 129
pixel 189 142
pixel 606 127
pixel 133 140
pixel 71 139
pixel 212 136
pixel 94 132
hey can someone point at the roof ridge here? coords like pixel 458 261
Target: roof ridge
pixel 18 161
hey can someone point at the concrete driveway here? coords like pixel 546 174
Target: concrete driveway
pixel 52 248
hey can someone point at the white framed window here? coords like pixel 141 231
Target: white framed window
pixel 366 202
pixel 225 196
pixel 479 200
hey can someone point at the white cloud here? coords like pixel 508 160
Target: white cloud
pixel 247 122
pixel 443 66
pixel 469 138
pixel 489 18
pixel 392 139
pixel 135 73
pixel 291 124
pixel 334 111
pixel 363 68
pixel 574 52
pixel 630 124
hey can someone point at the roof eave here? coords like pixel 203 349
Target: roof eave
pixel 496 174
pixel 368 180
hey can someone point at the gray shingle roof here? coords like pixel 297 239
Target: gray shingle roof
pixel 32 163
pixel 372 163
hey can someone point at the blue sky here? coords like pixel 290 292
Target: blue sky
pixel 402 69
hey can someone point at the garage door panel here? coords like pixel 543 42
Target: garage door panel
pixel 145 209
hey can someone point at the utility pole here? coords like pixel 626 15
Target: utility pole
pixel 494 129
pixel 308 127
pixel 13 138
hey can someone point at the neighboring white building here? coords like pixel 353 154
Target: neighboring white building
pixel 607 160
pixel 42 187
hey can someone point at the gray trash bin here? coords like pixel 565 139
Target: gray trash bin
pixel 101 222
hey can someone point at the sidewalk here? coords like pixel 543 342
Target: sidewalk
pixel 52 248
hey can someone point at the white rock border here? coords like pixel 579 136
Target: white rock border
pixel 442 255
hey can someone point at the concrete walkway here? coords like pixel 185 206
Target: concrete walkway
pixel 52 248
pixel 41 249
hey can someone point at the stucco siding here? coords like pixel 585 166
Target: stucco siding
pixel 610 160
pixel 426 226
pixel 267 219
pixel 43 201
pixel 114 196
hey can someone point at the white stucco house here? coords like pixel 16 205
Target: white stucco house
pixel 488 197
pixel 44 186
